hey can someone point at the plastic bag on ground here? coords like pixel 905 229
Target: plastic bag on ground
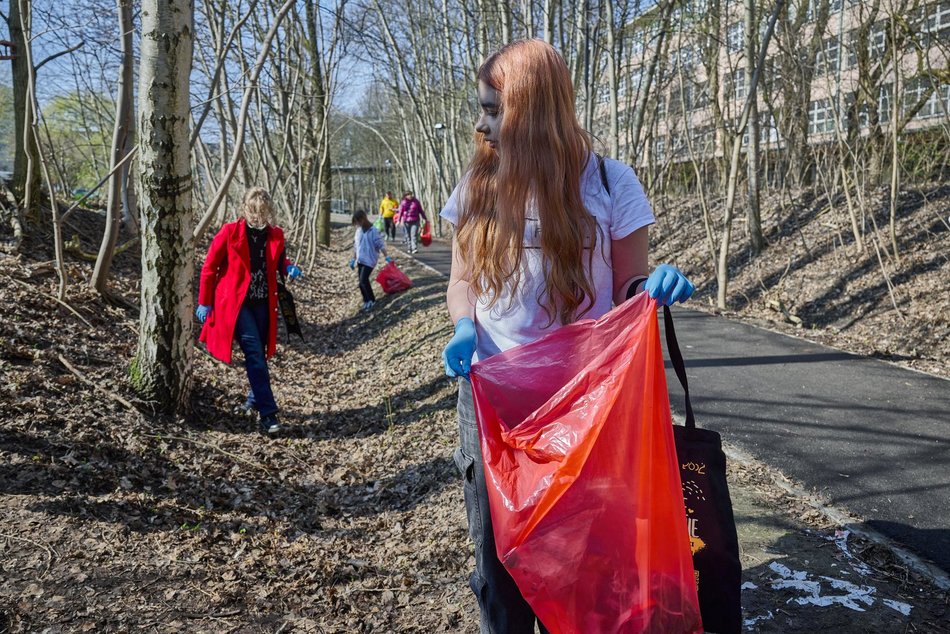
pixel 582 477
pixel 425 238
pixel 392 279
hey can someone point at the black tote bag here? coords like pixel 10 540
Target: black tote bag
pixel 712 527
pixel 288 309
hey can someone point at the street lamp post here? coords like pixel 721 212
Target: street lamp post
pixel 440 132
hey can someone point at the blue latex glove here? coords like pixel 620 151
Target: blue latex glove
pixel 457 355
pixel 389 259
pixel 202 312
pixel 293 271
pixel 352 263
pixel 667 285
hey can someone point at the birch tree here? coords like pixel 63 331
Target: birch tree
pixel 161 370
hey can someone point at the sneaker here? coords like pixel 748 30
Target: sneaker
pixel 412 250
pixel 269 424
pixel 244 409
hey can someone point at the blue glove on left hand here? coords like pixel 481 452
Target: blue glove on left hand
pixel 202 312
pixel 293 271
pixel 352 263
pixel 457 355
pixel 389 259
pixel 667 285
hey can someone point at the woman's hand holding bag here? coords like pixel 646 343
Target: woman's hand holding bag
pixel 458 353
pixel 667 285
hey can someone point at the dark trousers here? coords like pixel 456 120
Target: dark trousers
pixel 390 228
pixel 366 287
pixel 503 609
pixel 251 331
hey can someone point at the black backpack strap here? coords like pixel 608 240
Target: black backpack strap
pixel 602 167
pixel 673 348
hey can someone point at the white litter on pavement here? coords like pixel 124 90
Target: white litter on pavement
pixel 903 608
pixel 756 619
pixel 852 596
pixel 748 585
pixel 841 541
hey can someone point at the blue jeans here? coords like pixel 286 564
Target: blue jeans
pixel 251 331
pixel 503 609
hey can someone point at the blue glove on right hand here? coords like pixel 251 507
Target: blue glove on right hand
pixel 352 264
pixel 667 285
pixel 457 355
pixel 202 312
pixel 389 259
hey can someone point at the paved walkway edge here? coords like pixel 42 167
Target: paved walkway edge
pixel 841 518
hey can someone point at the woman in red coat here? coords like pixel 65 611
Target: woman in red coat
pixel 237 298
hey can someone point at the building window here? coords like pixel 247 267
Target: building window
pixel 828 56
pixel 735 84
pixel 734 36
pixel 936 100
pixel 696 96
pixel 883 108
pixel 814 5
pixel 768 132
pixel 877 39
pixel 687 56
pixel 659 149
pixel 660 107
pixel 938 18
pixel 884 99
pixel 703 140
pixel 697 7
pixel 635 78
pixel 637 45
pixel 772 75
pixel 820 117
pixel 876 44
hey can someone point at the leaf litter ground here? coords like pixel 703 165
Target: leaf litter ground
pixel 115 519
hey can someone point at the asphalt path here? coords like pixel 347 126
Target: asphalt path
pixel 872 438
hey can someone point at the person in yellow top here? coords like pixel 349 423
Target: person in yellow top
pixel 387 209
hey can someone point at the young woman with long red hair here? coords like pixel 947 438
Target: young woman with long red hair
pixel 546 233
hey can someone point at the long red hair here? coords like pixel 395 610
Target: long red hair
pixel 543 151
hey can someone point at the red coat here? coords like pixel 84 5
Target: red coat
pixel 225 276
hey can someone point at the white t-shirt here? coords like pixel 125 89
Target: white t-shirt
pixel 518 318
pixel 368 244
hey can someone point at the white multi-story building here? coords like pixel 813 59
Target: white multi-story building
pixel 829 73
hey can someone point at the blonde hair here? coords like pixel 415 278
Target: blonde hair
pixel 544 150
pixel 258 203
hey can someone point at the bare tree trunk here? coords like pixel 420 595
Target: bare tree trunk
pixel 120 146
pixel 319 130
pixel 161 370
pixel 753 212
pixel 548 17
pixel 26 178
pixel 722 271
pixel 613 69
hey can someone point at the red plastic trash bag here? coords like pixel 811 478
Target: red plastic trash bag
pixel 392 279
pixel 426 236
pixel 582 477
